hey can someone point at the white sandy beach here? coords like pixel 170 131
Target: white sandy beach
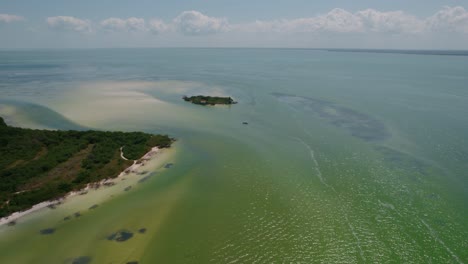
pixel 98 192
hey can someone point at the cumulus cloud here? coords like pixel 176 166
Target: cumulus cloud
pixel 342 21
pixel 157 26
pixel 129 24
pixel 7 18
pixel 389 22
pixel 69 23
pixel 187 23
pixel 449 19
pixel 196 23
pixel 338 21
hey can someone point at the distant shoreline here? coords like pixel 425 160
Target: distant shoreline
pixel 440 52
pixel 402 51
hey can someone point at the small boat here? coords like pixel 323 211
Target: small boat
pixel 245 123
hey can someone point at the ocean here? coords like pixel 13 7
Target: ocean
pixel 347 157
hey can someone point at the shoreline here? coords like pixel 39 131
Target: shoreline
pixel 137 164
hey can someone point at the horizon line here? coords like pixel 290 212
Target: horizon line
pixel 434 52
pixel 229 47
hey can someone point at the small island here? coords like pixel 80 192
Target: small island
pixel 209 100
pixel 43 165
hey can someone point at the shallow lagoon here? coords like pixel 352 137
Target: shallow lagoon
pixel 347 157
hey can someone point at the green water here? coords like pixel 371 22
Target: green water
pixel 347 157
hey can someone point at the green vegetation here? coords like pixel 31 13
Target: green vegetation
pixel 209 100
pixel 39 165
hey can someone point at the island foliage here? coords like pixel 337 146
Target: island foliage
pixel 209 100
pixel 40 165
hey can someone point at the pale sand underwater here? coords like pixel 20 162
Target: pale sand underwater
pixel 104 103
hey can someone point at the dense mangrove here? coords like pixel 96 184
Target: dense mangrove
pixel 209 100
pixel 40 165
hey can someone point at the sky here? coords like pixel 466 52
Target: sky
pixel 380 24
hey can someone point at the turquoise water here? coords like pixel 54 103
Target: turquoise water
pixel 347 157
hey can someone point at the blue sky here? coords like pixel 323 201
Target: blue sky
pixel 430 24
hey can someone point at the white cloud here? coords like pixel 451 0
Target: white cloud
pixel 342 21
pixel 157 26
pixel 129 24
pixel 7 18
pixel 116 24
pixel 449 19
pixel 337 21
pixel 196 23
pixel 389 22
pixel 69 23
